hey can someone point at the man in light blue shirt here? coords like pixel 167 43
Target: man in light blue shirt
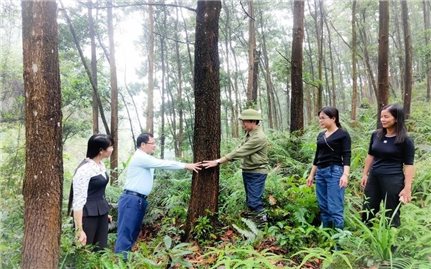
pixel 139 183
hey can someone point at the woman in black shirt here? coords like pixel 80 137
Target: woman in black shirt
pixel 331 167
pixel 388 171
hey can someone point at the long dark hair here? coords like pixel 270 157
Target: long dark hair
pixel 96 143
pixel 332 113
pixel 397 112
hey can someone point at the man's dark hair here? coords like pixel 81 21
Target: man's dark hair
pixel 143 138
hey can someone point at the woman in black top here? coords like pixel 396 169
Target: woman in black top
pixel 388 171
pixel 87 197
pixel 331 167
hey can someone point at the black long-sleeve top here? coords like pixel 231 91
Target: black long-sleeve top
pixel 335 149
pixel 390 158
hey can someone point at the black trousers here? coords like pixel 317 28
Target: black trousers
pixel 96 229
pixel 384 188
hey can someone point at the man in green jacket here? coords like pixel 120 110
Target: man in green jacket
pixel 254 154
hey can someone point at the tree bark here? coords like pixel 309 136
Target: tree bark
pixel 114 97
pixel 252 58
pixel 205 184
pixel 427 26
pixel 383 67
pixel 179 137
pixel 150 91
pixel 408 76
pixel 93 65
pixel 297 105
pixel 43 182
pixel 354 65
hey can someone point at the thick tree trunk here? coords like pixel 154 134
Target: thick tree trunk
pixel 297 101
pixel 383 65
pixel 408 76
pixel 43 182
pixel 205 184
pixel 114 96
pixel 93 65
pixel 150 96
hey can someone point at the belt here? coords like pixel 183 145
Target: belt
pixel 135 194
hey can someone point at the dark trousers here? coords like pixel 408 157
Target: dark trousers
pixel 131 212
pixel 96 229
pixel 254 185
pixel 384 188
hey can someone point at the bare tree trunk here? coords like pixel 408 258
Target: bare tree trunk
pixel 205 184
pixel 129 117
pixel 297 105
pixel 398 78
pixel 383 71
pixel 318 20
pixel 252 58
pixel 163 57
pixel 43 181
pixel 369 69
pixel 332 90
pixel 114 97
pixel 179 138
pixel 228 32
pixel 150 91
pixel 354 65
pixel 93 66
pixel 408 79
pixel 427 26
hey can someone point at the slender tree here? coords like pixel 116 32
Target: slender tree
pixel 252 58
pixel 297 105
pixel 408 75
pixel 114 96
pixel 427 25
pixel 383 67
pixel 354 64
pixel 93 65
pixel 43 182
pixel 150 90
pixel 205 184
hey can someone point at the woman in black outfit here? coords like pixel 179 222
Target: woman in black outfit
pixel 90 208
pixel 388 171
pixel 331 167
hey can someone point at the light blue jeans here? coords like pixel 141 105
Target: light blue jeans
pixel 330 196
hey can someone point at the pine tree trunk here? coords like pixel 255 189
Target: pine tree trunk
pixel 408 76
pixel 383 64
pixel 297 116
pixel 252 58
pixel 150 96
pixel 354 65
pixel 93 66
pixel 427 26
pixel 205 184
pixel 114 97
pixel 43 182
